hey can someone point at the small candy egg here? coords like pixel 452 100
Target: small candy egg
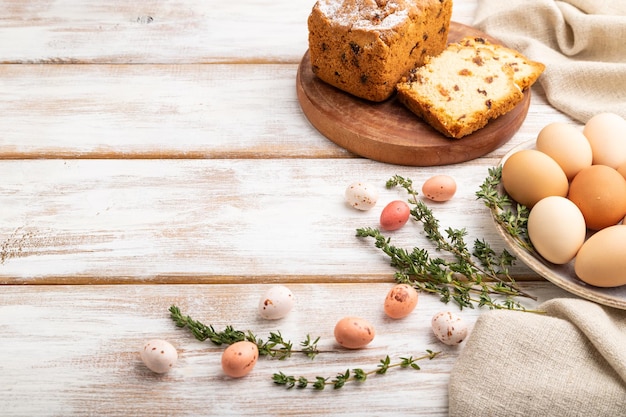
pixel 449 328
pixel 439 188
pixel 400 301
pixel 159 356
pixel 530 175
pixel 556 228
pixel 605 132
pixel 567 146
pixel 239 359
pixel 354 332
pixel 276 303
pixel 599 192
pixel 394 215
pixel 361 196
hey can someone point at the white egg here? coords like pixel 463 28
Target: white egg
pixel 159 355
pixel 606 134
pixel 449 328
pixel 361 196
pixel 556 228
pixel 276 303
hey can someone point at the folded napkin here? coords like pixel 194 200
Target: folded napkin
pixel 569 362
pixel 581 42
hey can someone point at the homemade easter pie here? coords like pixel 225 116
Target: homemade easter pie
pixel 365 47
pixel 471 82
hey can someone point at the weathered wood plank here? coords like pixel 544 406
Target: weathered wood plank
pixel 181 31
pixel 128 111
pixel 73 351
pixel 171 111
pixel 88 221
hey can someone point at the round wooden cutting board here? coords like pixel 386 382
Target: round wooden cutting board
pixel 388 131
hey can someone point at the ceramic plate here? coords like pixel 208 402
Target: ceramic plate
pixel 561 275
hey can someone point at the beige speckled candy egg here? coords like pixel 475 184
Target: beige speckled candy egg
pixel 159 356
pixel 239 359
pixel 354 332
pixel 401 300
pixel 601 261
pixel 529 175
pixel 567 146
pixel 449 328
pixel 606 133
pixel 276 303
pixel 556 228
pixel 361 196
pixel 439 188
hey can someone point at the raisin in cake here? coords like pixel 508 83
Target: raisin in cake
pixel 468 84
pixel 364 47
pixel 525 71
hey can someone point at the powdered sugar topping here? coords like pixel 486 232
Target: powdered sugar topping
pixel 365 14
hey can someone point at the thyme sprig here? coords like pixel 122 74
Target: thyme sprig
pixel 350 375
pixel 471 278
pixel 275 346
pixel 512 216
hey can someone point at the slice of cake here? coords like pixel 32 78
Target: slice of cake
pixel 364 47
pixel 525 71
pixel 468 84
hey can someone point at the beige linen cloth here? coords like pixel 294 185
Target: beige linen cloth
pixel 581 42
pixel 569 362
pixel 572 360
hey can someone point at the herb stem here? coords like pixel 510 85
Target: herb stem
pixel 481 271
pixel 275 346
pixel 512 217
pixel 350 375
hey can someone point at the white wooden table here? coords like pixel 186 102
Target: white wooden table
pixel 154 153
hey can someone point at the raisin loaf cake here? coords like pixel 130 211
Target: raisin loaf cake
pixel 364 47
pixel 468 84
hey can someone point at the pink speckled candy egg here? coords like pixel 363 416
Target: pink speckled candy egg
pixel 439 188
pixel 394 215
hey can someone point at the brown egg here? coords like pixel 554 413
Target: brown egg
pixel 599 192
pixel 530 175
pixel 567 146
pixel 601 260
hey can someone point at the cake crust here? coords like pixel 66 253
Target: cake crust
pixel 364 47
